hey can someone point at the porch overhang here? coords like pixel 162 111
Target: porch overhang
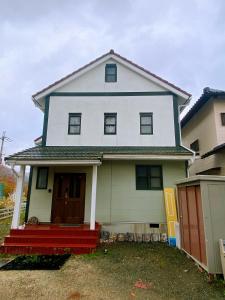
pixel 145 157
pixel 93 155
pixel 54 162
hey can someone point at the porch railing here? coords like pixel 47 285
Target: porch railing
pixel 6 213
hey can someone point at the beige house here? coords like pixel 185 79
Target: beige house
pixel 203 130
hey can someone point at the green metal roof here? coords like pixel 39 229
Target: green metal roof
pixel 89 152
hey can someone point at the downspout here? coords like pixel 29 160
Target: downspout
pixel 190 161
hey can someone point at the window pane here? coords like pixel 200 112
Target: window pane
pixel 156 183
pixel 74 129
pixel 223 119
pixel 146 129
pixel 110 78
pixel 155 171
pixel 74 189
pixel 146 120
pixel 195 146
pixel 142 183
pixel 111 70
pixel 141 171
pixel 42 179
pixel 110 120
pixel 75 120
pixel 110 129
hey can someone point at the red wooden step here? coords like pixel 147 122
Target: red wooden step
pixel 53 232
pixel 49 239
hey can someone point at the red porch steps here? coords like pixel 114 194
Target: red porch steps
pixel 51 239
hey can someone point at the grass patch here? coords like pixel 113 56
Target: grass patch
pixel 168 271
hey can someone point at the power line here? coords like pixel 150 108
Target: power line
pixel 3 139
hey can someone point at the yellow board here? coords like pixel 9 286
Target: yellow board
pixel 171 210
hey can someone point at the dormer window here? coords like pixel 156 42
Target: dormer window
pixel 110 73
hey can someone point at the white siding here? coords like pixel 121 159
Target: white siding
pixel 94 81
pixel 128 121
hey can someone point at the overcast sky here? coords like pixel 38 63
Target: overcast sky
pixel 41 41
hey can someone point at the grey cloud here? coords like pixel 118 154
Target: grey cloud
pixel 41 41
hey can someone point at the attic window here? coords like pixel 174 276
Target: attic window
pixel 110 73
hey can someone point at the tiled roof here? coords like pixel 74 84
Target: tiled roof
pixel 89 152
pixel 206 95
pixel 122 58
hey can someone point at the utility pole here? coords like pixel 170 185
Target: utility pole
pixel 3 139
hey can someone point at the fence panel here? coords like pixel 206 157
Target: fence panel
pixel 6 213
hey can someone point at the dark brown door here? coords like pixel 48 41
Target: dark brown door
pixel 68 198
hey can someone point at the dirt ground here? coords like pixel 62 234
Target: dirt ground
pixel 161 272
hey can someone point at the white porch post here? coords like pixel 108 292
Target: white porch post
pixel 93 197
pixel 18 198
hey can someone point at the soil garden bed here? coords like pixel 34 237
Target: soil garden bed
pixel 36 262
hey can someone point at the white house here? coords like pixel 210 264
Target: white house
pixel 110 144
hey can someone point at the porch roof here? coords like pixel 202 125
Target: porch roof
pixel 93 153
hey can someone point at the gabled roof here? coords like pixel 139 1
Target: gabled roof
pixel 207 94
pixel 111 54
pixel 90 152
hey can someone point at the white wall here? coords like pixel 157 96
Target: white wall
pixel 94 81
pixel 127 109
pixel 128 121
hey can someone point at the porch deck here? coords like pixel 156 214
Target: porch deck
pixel 52 239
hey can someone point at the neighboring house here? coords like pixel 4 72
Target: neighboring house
pixel 203 130
pixel 110 144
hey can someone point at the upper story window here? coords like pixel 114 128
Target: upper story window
pixel 195 146
pixel 74 125
pixel 149 177
pixel 222 119
pixel 110 73
pixel 110 123
pixel 146 123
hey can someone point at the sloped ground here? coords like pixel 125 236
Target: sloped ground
pixel 162 272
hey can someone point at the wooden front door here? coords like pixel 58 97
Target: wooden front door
pixel 68 198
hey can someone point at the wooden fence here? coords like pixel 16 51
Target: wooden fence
pixel 6 213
